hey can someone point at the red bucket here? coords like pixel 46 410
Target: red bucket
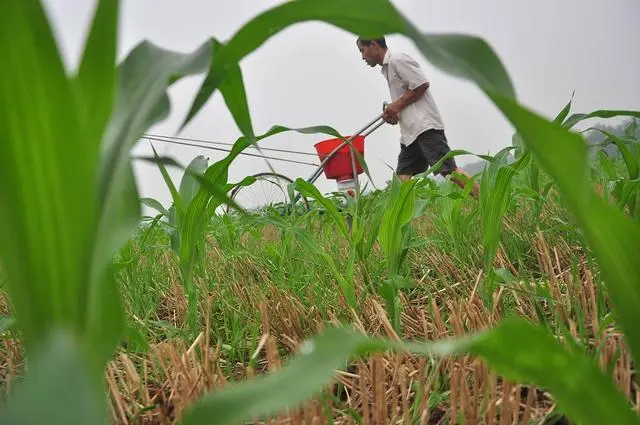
pixel 339 166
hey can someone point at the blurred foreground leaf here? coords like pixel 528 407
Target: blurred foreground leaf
pixel 457 54
pixel 58 388
pixel 51 206
pixel 516 349
pixel 613 237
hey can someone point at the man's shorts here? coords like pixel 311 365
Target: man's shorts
pixel 428 148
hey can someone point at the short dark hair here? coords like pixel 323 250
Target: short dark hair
pixel 367 41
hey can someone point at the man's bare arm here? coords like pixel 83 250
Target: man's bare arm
pixel 410 96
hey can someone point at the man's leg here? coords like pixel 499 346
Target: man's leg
pixel 411 161
pixel 434 146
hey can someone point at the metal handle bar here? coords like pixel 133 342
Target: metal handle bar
pixel 384 106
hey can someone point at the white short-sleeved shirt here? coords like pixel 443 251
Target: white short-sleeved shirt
pixel 403 73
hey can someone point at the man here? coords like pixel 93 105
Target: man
pixel 422 139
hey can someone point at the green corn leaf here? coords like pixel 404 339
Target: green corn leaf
pixel 533 172
pixel 96 78
pixel 156 205
pixel 160 160
pixel 189 185
pixel 518 144
pixel 380 15
pixel 460 55
pixel 175 195
pixel 514 349
pixel 119 214
pixel 192 218
pixel 369 234
pixel 606 165
pixel 604 113
pixel 533 177
pixel 452 154
pixel 465 57
pixel 57 388
pixel 398 213
pixel 632 162
pixel 195 217
pixel 495 189
pixel 308 244
pixel 234 94
pixel 310 191
pixel 59 288
pixel 142 101
pixel 627 191
pixel 562 115
pixel 220 194
pixel 46 248
pixel 528 354
pixel 235 97
pixel 614 238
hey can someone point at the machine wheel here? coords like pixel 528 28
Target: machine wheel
pixel 269 189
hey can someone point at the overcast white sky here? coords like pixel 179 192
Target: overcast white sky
pixel 312 73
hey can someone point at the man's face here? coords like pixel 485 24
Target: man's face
pixel 369 53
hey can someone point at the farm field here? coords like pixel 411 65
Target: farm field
pixel 264 287
pixel 412 303
pixel 263 291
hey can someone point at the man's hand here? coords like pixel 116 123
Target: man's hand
pixel 391 113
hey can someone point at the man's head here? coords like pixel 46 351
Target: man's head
pixel 372 51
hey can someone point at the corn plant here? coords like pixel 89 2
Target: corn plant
pixel 394 235
pixel 495 189
pixel 625 189
pixel 389 226
pixel 181 197
pixel 67 221
pixel 360 235
pixel 192 208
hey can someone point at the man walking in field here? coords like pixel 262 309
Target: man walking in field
pixel 422 137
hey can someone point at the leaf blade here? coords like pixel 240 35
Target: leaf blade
pixel 513 347
pixel 58 372
pixel 156 205
pixel 613 237
pixel 43 260
pixel 453 53
pixel 189 185
pixel 310 191
pixel 98 65
pixel 601 113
